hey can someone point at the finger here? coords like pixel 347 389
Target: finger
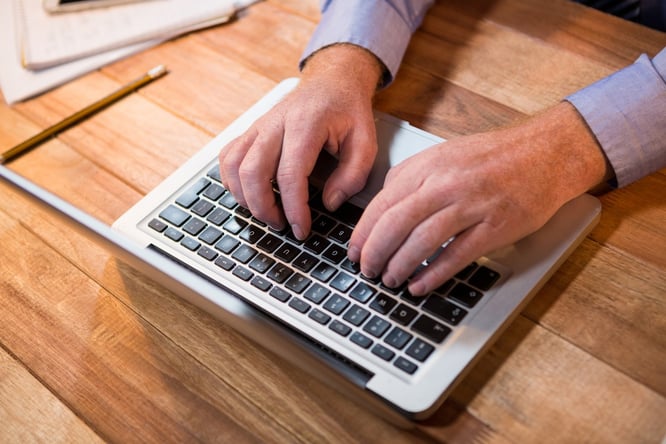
pixel 424 241
pixel 256 172
pixel 299 154
pixel 357 154
pixel 230 159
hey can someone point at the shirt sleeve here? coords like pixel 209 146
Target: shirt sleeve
pixel 627 113
pixel 384 27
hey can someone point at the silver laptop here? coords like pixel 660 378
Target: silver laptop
pixel 305 301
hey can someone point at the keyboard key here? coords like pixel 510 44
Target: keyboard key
pixel 207 253
pixel 280 294
pixel 269 243
pixel 445 310
pixel 431 329
pixel 377 326
pixel 214 173
pixel 419 350
pixel 242 211
pixel 297 283
pixel 244 254
pixel 279 273
pixel 299 305
pixel 189 197
pixel 405 365
pixel 319 316
pixel 316 244
pixel 218 216
pixel 356 315
pixel 323 224
pixel 342 282
pixel 383 352
pixel 305 262
pixel 348 214
pixel 341 233
pixel 261 283
pixel 202 208
pixel 362 292
pixel 261 263
pixel 323 272
pixel 174 215
pixel 484 278
pixel 235 224
pixel 287 252
pixel 228 201
pixel 465 272
pixel 243 273
pixel 225 263
pixel 336 304
pixel 194 226
pixel 252 234
pixel 227 244
pixel 190 244
pixel 465 294
pixel 335 254
pixel 398 338
pixel 403 314
pixel 414 300
pixel 340 328
pixel 383 303
pixel 157 225
pixel 173 234
pixel 360 339
pixel 351 267
pixel 214 191
pixel 210 235
pixel 317 293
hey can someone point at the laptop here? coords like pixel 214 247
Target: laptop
pixel 399 355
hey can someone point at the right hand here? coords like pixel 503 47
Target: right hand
pixel 331 109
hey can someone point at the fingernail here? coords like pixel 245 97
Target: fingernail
pixel 354 254
pixel 298 233
pixel 417 288
pixel 389 281
pixel 336 199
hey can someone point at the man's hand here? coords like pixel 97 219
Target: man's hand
pixel 330 109
pixel 487 190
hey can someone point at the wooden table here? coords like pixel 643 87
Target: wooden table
pixel 88 354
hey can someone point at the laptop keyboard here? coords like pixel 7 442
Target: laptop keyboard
pixel 315 278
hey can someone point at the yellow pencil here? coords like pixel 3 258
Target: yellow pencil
pixel 75 118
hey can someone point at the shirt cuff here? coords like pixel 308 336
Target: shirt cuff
pixel 627 113
pixel 381 28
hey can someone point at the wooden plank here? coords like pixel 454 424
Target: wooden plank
pixel 29 412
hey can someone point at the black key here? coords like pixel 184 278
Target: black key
pixel 279 273
pixel 414 300
pixel 280 294
pixel 214 191
pixel 243 273
pixel 341 233
pixel 297 283
pixel 398 338
pixel 342 282
pixel 214 173
pixel 340 328
pixel 228 200
pixel 445 310
pixel 261 263
pixel 194 226
pixel 174 215
pixel 403 314
pixel 299 305
pixel 269 243
pixel 405 365
pixel 484 278
pixel 202 208
pixel 431 329
pixel 362 292
pixel 335 254
pixel 394 290
pixel 377 326
pixel 323 271
pixel 252 234
pixel 210 235
pixel 287 252
pixel 234 225
pixel 316 244
pixel 317 293
pixel 323 224
pixel 190 243
pixel 227 244
pixel 361 340
pixel 244 253
pixel 261 283
pixel 350 266
pixel 383 303
pixel 465 272
pixel 305 262
pixel 242 211
pixel 465 294
pixel 348 213
pixel 189 197
pixel 173 234
pixel 319 316
pixel 419 350
pixel 218 216
pixel 383 352
pixel 336 304
pixel 356 315
pixel 157 225
pixel 225 263
pixel 207 253
pixel 445 287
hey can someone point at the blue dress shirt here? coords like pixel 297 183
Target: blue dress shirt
pixel 626 111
